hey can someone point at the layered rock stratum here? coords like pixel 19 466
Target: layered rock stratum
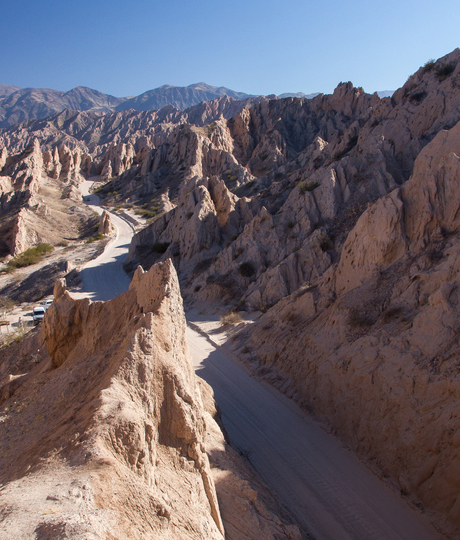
pixel 106 430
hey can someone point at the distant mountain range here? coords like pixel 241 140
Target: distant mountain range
pixel 22 104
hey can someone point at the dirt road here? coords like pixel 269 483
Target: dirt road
pixel 331 493
pixel 103 278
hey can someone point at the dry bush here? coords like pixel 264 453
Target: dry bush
pixel 230 318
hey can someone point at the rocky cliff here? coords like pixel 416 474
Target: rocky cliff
pixel 106 433
pixel 309 168
pixel 334 217
pixel 371 346
pixel 350 247
pixel 40 201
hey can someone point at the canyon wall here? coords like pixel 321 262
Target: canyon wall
pixel 372 347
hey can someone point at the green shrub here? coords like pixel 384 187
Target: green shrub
pixel 418 97
pixel 307 186
pixel 428 66
pixel 92 239
pixel 247 269
pixel 391 314
pixel 202 266
pixel 238 251
pixel 30 256
pixel 435 254
pixel 147 214
pixel 444 71
pixel 230 318
pixel 358 319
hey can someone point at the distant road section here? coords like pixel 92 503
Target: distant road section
pixel 333 495
pixel 104 278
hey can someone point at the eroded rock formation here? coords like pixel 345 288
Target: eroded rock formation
pixel 372 346
pixel 40 200
pixel 337 216
pixel 107 436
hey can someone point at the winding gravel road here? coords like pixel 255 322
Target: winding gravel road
pixel 331 493
pixel 103 278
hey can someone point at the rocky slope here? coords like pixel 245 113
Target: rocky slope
pixel 106 434
pixel 309 168
pixel 40 200
pixel 372 346
pixel 104 140
pixel 346 232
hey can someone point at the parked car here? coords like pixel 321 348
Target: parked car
pixel 46 304
pixel 38 314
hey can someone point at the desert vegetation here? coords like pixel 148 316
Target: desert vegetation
pixel 29 257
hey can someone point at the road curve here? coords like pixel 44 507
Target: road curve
pixel 103 278
pixel 333 495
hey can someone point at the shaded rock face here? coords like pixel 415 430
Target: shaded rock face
pixel 152 363
pixel 310 169
pixel 106 434
pixel 125 414
pixel 372 347
pixel 19 188
pixel 206 214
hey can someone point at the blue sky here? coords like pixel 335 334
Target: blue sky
pixel 259 47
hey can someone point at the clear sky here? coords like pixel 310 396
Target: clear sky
pixel 256 46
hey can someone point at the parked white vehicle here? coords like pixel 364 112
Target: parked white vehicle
pixel 38 314
pixel 46 304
